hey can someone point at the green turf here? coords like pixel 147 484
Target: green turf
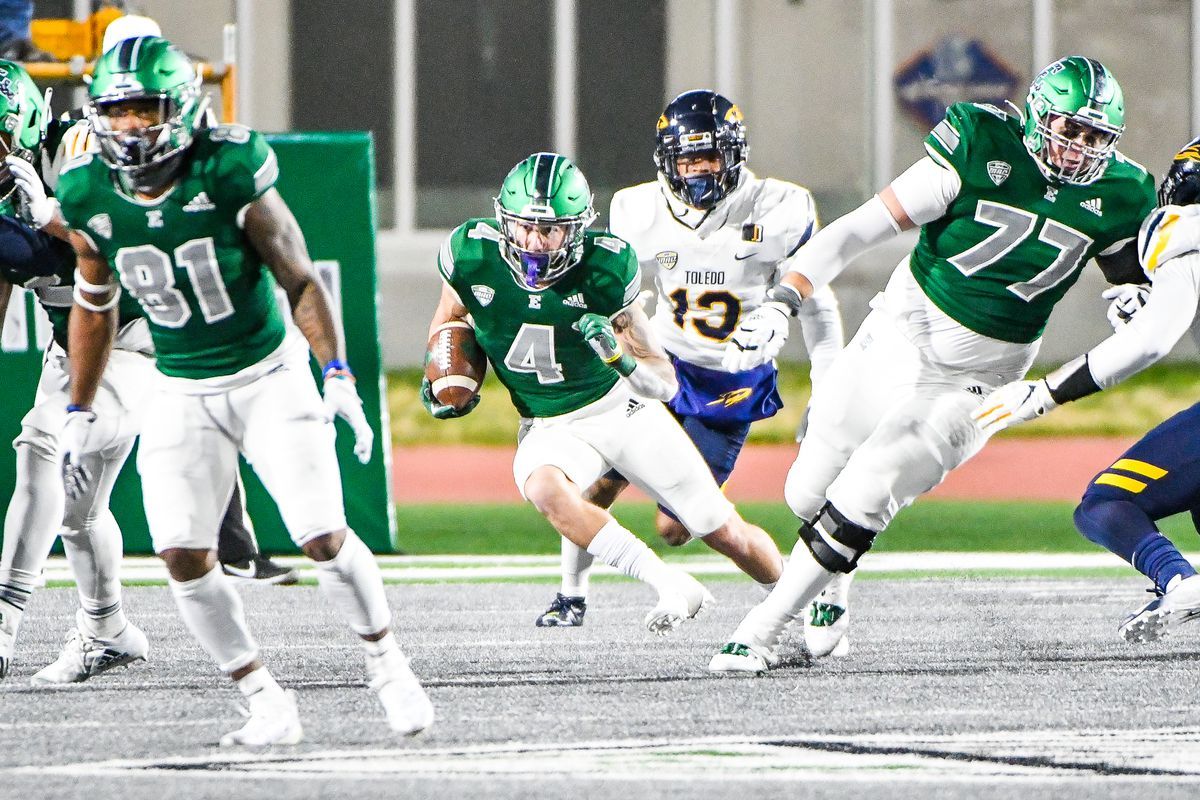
pixel 1126 410
pixel 959 526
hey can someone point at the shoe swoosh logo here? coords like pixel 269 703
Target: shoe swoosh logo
pixel 239 572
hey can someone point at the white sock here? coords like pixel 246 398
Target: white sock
pixel 576 569
pixel 802 580
pixel 258 680
pixel 353 584
pixel 617 547
pixel 212 610
pixel 35 513
pixel 94 554
pixel 382 646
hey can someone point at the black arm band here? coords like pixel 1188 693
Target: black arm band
pixel 1076 383
pixel 789 297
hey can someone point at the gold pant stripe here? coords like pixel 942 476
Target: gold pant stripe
pixel 1121 482
pixel 1139 468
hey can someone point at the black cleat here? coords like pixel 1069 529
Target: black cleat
pixel 564 612
pixel 262 570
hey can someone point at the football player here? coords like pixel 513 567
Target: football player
pixel 1158 476
pixel 1010 209
pixel 714 238
pixel 555 309
pixel 189 221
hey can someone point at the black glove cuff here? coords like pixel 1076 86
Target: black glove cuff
pixel 788 296
pixel 1072 381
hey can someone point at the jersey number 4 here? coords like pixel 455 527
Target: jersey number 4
pixel 1014 226
pixel 149 275
pixel 532 351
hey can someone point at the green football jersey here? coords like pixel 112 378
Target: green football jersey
pixel 545 364
pixel 1014 241
pixel 204 290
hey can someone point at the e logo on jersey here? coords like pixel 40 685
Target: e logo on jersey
pixel 154 218
pixel 999 171
pixel 667 259
pixel 102 225
pixel 483 294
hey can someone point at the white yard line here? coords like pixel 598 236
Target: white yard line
pixel 474 568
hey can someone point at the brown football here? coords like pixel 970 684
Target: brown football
pixel 456 364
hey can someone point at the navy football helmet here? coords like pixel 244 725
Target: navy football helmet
pixel 701 122
pixel 1181 186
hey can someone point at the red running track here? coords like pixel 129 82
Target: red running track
pixel 1007 469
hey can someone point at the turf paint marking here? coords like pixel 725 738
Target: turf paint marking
pixel 1169 755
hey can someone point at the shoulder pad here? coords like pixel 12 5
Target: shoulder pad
pixel 633 208
pixel 1168 232
pixel 784 208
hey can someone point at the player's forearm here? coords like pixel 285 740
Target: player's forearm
pixel 653 378
pixel 1155 329
pixel 821 326
pixel 89 341
pixel 313 316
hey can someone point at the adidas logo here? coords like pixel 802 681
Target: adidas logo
pixel 199 203
pixel 633 407
pixel 1093 206
pixel 976 390
pixel 575 301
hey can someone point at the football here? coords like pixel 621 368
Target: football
pixel 455 365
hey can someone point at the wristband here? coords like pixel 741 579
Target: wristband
pixel 72 408
pixel 1072 381
pixel 787 296
pixel 623 363
pixel 336 368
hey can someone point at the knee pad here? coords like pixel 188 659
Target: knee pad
pixel 835 542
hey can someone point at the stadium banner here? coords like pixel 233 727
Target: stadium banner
pixel 328 181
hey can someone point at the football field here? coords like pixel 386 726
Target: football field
pixel 1003 684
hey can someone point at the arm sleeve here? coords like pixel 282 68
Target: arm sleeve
pixel 829 251
pixel 821 326
pixel 926 190
pixel 1155 329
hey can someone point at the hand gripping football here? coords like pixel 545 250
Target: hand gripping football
pixel 455 364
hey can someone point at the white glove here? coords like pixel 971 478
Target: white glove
pixel 40 208
pixel 342 400
pixel 1012 403
pixel 758 339
pixel 1127 299
pixel 72 445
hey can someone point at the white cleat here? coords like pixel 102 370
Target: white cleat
pixel 84 656
pixel 827 620
pixel 409 710
pixel 689 599
pixel 272 719
pixel 1180 603
pixel 742 658
pixel 10 620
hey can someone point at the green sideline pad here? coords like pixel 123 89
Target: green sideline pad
pixel 955 525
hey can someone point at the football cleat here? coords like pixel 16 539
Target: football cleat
pixel 272 719
pixel 827 620
pixel 564 612
pixel 261 570
pixel 737 657
pixel 1153 621
pixel 84 656
pixel 409 710
pixel 10 620
pixel 685 602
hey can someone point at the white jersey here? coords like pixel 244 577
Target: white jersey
pixel 711 268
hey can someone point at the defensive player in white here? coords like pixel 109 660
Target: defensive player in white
pixel 1010 208
pixel 232 378
pixel 1157 477
pixel 714 238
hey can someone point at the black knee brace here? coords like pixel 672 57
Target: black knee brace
pixel 833 524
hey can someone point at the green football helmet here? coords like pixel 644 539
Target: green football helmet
pixel 544 207
pixel 23 119
pixel 145 77
pixel 1083 92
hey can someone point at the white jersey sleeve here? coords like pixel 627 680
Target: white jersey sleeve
pixel 703 286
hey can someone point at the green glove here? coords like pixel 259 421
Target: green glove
pixel 598 332
pixel 441 410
